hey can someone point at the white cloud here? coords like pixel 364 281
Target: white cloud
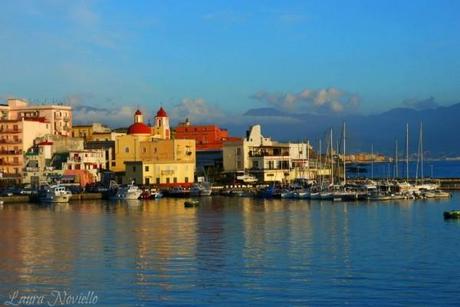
pixel 324 100
pixel 196 110
pixel 85 111
pixel 421 104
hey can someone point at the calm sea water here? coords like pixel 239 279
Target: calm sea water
pixel 434 169
pixel 234 251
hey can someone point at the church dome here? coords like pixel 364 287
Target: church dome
pixel 162 113
pixel 139 128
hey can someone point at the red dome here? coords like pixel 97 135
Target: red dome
pixel 161 113
pixel 138 112
pixel 139 128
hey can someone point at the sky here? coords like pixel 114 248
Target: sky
pixel 214 60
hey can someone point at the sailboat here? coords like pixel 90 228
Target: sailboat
pixel 422 186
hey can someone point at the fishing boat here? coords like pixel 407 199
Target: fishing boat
pixel 201 189
pixel 178 192
pixel 55 194
pixel 453 214
pixel 129 192
pixel 287 194
pixel 191 203
pixel 301 194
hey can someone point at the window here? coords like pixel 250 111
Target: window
pixel 134 168
pixel 144 150
pixel 146 168
pixel 126 149
pixel 113 163
pixel 238 151
pixel 158 180
pixel 167 180
pixel 147 181
pixel 175 180
pixel 186 180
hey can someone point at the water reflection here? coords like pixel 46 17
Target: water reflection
pixel 240 249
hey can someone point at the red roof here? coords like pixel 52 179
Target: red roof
pixel 138 112
pixel 139 128
pixel 162 113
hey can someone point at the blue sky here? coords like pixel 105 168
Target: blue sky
pixel 208 59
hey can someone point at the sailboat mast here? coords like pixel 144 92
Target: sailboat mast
pixel 332 160
pixel 396 160
pixel 344 157
pixel 308 159
pixel 372 161
pixel 421 151
pixel 407 152
pixel 320 165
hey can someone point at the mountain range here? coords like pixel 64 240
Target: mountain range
pixel 440 126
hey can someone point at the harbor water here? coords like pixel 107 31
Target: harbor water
pixel 233 251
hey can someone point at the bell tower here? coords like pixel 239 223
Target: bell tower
pixel 138 117
pixel 162 124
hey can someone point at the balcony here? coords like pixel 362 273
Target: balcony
pixel 10 175
pixel 268 154
pixel 11 152
pixel 10 163
pixel 4 141
pixel 13 131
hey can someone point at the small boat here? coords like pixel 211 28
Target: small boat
pixel 155 195
pixel 453 214
pixel 145 195
pixel 55 194
pixel 379 196
pixel 437 194
pixel 191 203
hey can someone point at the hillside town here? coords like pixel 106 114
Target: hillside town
pixel 40 145
pixel 43 153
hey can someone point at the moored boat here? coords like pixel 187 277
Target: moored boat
pixel 178 192
pixel 453 214
pixel 191 203
pixel 55 194
pixel 129 192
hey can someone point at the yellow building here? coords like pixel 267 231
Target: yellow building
pixel 169 161
pixel 106 136
pixel 162 173
pixel 87 131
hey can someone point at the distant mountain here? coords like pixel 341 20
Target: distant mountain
pixel 440 126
